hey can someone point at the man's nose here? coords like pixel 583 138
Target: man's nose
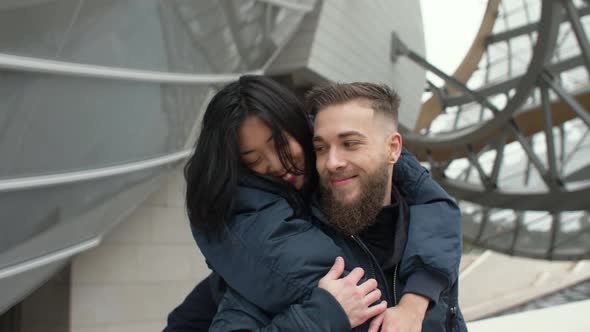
pixel 335 161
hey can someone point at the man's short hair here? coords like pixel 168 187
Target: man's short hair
pixel 381 98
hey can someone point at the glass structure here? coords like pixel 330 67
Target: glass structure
pixel 507 133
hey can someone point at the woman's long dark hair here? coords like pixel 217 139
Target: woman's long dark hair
pixel 213 171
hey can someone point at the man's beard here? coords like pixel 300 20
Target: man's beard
pixel 351 218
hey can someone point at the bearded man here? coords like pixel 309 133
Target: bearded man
pixel 357 145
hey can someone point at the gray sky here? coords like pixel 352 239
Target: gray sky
pixel 449 29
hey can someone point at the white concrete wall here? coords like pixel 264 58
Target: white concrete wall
pixel 144 268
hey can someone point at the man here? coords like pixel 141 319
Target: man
pixel 416 263
pixel 357 144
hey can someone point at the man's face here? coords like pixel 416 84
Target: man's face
pixel 355 154
pixel 352 148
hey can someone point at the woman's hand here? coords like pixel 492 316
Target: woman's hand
pixel 356 300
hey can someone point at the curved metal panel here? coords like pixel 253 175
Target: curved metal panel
pixel 93 94
pixel 42 221
pixel 16 288
pixel 75 124
pixel 155 35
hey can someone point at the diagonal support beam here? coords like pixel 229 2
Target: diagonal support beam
pixel 499 158
pixel 567 98
pixel 549 138
pixel 485 179
pixel 451 80
pixel 505 86
pixel 576 24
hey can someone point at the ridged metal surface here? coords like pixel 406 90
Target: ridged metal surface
pixel 99 100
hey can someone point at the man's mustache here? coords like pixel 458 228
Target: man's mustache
pixel 329 176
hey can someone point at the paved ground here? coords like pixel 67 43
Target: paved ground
pixel 494 283
pixel 571 317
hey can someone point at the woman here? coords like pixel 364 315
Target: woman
pixel 271 130
pixel 249 190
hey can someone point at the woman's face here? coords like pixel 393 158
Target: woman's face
pixel 257 151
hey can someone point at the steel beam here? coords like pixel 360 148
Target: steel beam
pixel 473 159
pixel 547 36
pixel 513 249
pixel 504 87
pixel 549 139
pixel 534 160
pixel 525 29
pixel 516 232
pixel 498 160
pixel 555 223
pixel 502 199
pixel 578 29
pixel 568 99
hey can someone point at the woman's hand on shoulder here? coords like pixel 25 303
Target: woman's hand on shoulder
pixel 356 300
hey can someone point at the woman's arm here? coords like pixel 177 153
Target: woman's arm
pixel 338 304
pixel 196 312
pixel 316 313
pixel 267 256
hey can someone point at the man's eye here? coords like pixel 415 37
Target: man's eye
pixel 319 148
pixel 350 144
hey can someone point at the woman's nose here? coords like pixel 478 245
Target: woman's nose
pixel 275 166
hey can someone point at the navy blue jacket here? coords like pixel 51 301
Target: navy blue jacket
pixel 275 261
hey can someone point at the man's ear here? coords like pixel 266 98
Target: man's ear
pixel 394 146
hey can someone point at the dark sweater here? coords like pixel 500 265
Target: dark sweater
pixel 388 248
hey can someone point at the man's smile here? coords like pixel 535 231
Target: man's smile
pixel 341 180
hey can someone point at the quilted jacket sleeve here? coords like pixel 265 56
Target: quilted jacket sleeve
pixel 318 313
pixel 269 257
pixel 434 241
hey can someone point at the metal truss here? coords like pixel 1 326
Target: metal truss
pixel 510 140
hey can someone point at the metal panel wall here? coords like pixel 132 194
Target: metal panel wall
pixel 353 43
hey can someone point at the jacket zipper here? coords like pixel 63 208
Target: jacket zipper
pixel 373 264
pixel 452 319
pixel 394 282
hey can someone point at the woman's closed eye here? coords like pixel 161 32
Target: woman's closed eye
pixel 252 163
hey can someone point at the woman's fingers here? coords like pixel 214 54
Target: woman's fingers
pixel 336 270
pixel 354 276
pixel 368 286
pixel 372 297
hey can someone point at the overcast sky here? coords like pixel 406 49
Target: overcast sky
pixel 449 29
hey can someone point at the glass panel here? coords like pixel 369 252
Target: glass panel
pixel 52 124
pixel 42 39
pixel 161 35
